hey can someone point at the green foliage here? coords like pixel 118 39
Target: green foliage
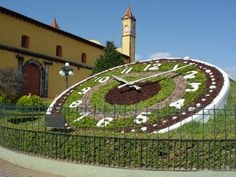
pixel 87 122
pixel 47 101
pixel 3 100
pixel 189 97
pixel 29 101
pixel 161 113
pixel 194 146
pixel 109 59
pixel 121 123
pixel 11 83
pixel 145 153
pixel 98 98
pixel 232 96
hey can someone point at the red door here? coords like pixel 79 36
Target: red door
pixel 32 79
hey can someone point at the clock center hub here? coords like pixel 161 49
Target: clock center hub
pixel 128 96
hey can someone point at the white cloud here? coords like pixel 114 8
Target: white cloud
pixel 160 55
pixel 231 70
pixel 138 57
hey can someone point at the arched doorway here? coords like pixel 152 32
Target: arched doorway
pixel 32 76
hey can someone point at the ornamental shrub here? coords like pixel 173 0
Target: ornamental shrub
pixel 11 83
pixel 87 122
pixel 3 100
pixel 33 100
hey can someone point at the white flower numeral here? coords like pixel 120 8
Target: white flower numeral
pixel 84 90
pixel 141 118
pixel 152 67
pixel 194 86
pixel 126 70
pixel 191 75
pixel 178 104
pixel 83 115
pixel 175 67
pixel 104 122
pixel 102 79
pixel 75 104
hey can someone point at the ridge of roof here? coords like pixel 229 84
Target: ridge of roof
pixel 48 27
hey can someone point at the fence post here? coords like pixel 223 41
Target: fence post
pixel 235 135
pixel 214 154
pixel 94 118
pixel 225 134
pixel 104 116
pixel 114 114
pixel 135 125
pixel 203 135
pixel 124 120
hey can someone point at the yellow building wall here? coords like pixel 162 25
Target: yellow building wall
pixel 56 83
pixel 45 41
pixel 8 59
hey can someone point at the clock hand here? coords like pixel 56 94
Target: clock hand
pixel 135 86
pixel 154 75
pixel 126 82
pixel 120 79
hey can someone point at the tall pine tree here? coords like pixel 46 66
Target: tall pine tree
pixel 109 59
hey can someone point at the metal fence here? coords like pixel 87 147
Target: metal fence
pixel 194 146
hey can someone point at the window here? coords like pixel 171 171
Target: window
pixel 25 41
pixel 59 51
pixel 83 58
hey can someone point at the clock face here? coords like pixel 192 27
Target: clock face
pixel 152 96
pixel 127 29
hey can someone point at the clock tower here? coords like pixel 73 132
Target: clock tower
pixel 128 34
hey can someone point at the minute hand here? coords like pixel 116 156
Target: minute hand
pixel 155 75
pixel 126 82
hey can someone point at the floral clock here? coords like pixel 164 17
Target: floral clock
pixel 155 95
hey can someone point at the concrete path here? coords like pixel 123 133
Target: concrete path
pixel 9 170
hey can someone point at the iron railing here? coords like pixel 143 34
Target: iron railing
pixel 194 146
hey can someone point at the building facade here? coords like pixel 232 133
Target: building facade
pixel 39 51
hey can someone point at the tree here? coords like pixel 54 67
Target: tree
pixel 11 83
pixel 109 59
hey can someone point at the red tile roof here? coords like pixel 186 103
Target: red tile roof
pixel 54 24
pixel 128 14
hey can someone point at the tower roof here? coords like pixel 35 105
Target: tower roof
pixel 54 24
pixel 128 14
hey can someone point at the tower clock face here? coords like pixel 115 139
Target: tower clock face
pixel 127 29
pixel 150 96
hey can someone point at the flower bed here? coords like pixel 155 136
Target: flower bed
pixel 198 85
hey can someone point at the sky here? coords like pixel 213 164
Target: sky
pixel 200 29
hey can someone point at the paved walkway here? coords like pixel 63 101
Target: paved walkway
pixel 9 170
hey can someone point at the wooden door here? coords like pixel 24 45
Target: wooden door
pixel 31 79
